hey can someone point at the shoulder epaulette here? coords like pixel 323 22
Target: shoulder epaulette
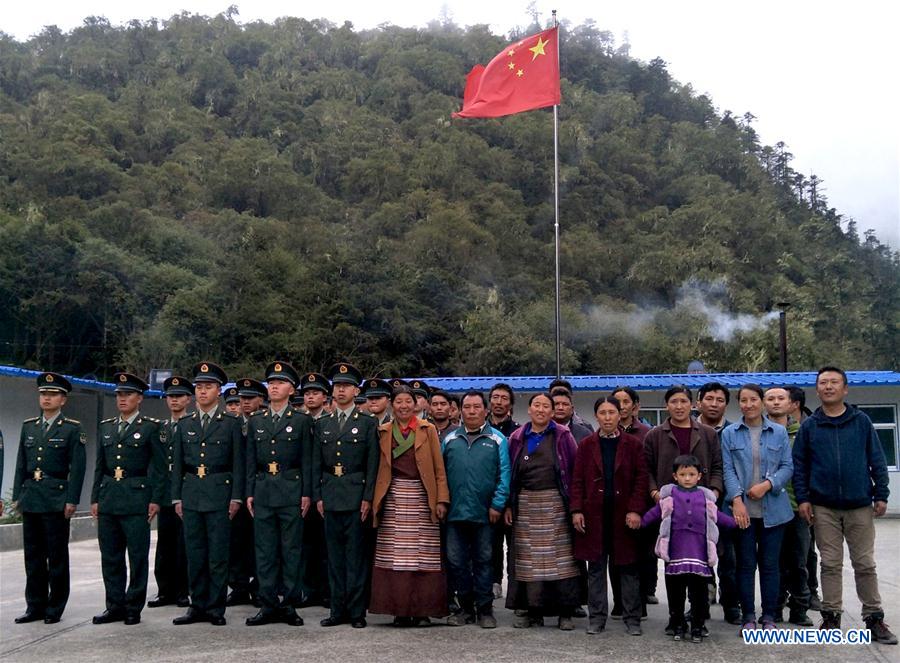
pixel 258 413
pixel 108 421
pixel 227 414
pixel 70 420
pixel 152 419
pixel 31 421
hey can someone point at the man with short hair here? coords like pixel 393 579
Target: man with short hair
pixel 712 401
pixel 795 544
pixel 170 565
pixel 841 485
pixel 279 490
pixel 563 411
pixel 476 459
pixel 129 478
pixel 251 395
pixel 797 413
pixel 440 413
pixel 50 467
pixel 630 407
pixel 345 460
pixel 314 388
pixel 421 392
pixel 501 400
pixel 207 490
pixel 232 401
pixel 455 405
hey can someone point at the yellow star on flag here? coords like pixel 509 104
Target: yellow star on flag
pixel 510 52
pixel 520 73
pixel 538 48
pixel 511 65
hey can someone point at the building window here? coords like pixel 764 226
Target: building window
pixel 884 418
pixel 654 416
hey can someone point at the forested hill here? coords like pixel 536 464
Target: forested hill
pixel 201 188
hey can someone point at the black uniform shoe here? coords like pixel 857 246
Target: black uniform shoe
pixel 216 620
pixel 238 598
pixel 291 618
pixel 51 619
pixel 30 616
pixel 192 616
pixel 331 621
pixel 359 622
pixel 261 618
pixel 160 601
pixel 132 618
pixel 108 617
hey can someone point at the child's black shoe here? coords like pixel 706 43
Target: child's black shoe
pixel 696 635
pixel 679 632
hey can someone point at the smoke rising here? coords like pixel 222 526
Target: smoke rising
pixel 697 299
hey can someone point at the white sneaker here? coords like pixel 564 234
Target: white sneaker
pixel 498 591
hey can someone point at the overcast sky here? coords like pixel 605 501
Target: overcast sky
pixel 819 76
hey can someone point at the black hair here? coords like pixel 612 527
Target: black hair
pixel 474 393
pixel 560 391
pixel 402 389
pixel 559 382
pixel 540 393
pixel 755 388
pixel 440 392
pixel 677 389
pixel 606 399
pixel 713 386
pixel 632 394
pixel 832 369
pixel 454 398
pixel 686 460
pixel 797 395
pixel 502 386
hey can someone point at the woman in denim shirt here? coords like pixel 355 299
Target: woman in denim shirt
pixel 756 460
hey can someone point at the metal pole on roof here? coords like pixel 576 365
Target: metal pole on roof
pixel 556 209
pixel 782 333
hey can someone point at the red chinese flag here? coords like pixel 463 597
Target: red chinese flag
pixel 524 76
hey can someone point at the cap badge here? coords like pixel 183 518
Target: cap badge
pixel 123 378
pixel 311 378
pixel 204 368
pixel 48 378
pixel 246 383
pixel 175 382
pixel 343 368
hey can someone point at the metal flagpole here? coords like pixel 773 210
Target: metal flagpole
pixel 556 208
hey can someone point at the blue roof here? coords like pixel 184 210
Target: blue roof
pixel 582 382
pixel 662 381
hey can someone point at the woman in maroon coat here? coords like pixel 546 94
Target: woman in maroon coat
pixel 607 496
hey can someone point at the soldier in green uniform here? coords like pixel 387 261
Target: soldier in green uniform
pixel 421 392
pixel 241 563
pixel 46 489
pixel 129 478
pixel 232 401
pixel 170 567
pixel 314 390
pixel 378 395
pixel 207 489
pixel 347 464
pixel 279 452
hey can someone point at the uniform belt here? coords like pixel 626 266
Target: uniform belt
pixel 342 470
pixel 205 470
pixel 38 474
pixel 121 473
pixel 274 468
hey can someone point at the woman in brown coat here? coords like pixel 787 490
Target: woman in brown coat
pixel 606 499
pixel 411 497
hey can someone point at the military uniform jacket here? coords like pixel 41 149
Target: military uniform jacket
pixel 346 462
pixel 219 450
pixel 131 466
pixel 166 441
pixel 279 458
pixel 50 466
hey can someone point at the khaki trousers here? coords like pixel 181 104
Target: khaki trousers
pixel 857 528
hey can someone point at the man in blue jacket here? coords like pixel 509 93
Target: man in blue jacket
pixel 841 485
pixel 477 464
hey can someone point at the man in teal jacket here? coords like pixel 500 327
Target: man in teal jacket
pixel 477 464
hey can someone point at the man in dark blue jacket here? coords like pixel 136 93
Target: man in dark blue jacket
pixel 841 485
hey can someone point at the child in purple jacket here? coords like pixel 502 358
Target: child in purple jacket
pixel 687 543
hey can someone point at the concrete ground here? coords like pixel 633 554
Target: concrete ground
pixel 76 639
